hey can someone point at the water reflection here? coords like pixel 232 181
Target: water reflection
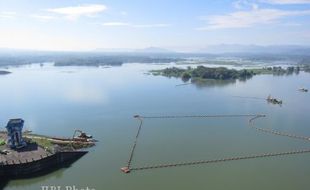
pixel 39 178
pixel 85 94
pixel 213 83
pixel 47 99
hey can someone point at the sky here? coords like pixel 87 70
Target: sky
pixel 180 25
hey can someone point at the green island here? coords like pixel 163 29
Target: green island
pixel 201 73
pixel 213 62
pixel 4 72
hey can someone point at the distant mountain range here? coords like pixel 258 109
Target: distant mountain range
pixel 211 49
pixel 144 50
pixel 224 49
pixel 287 53
pixel 154 50
pixel 273 49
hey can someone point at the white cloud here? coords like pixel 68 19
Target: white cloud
pixel 286 1
pixel 7 14
pixel 290 24
pixel 151 25
pixel 78 11
pixel 241 4
pixel 243 19
pixel 115 24
pixel 43 17
pixel 31 38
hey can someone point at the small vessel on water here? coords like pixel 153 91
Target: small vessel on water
pixel 23 155
pixel 272 100
pixel 303 90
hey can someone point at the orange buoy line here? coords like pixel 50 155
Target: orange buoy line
pixel 222 160
pixel 128 168
pixel 198 116
pixel 275 132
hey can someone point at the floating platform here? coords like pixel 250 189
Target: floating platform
pixel 34 160
pixel 125 170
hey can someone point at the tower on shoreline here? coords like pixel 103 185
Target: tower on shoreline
pixel 14 129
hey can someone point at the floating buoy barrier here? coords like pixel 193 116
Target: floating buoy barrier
pixel 197 116
pixel 222 160
pixel 127 169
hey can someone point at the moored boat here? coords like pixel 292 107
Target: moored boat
pixel 303 90
pixel 273 100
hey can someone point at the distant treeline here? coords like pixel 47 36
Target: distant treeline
pixel 101 58
pixel 306 68
pixel 278 70
pixel 88 61
pixel 84 59
pixel 221 73
pixel 15 61
pixel 111 60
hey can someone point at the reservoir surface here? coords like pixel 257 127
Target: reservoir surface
pixel 103 100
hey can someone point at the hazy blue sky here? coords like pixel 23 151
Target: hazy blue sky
pixel 174 24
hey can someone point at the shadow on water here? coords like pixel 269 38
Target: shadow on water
pixel 212 83
pixel 35 178
pixel 208 83
pixel 38 176
pixel 205 82
pixel 3 183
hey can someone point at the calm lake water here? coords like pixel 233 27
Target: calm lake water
pixel 102 101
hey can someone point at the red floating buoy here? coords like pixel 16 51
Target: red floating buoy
pixel 125 170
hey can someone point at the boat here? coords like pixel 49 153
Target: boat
pixel 272 100
pixel 23 157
